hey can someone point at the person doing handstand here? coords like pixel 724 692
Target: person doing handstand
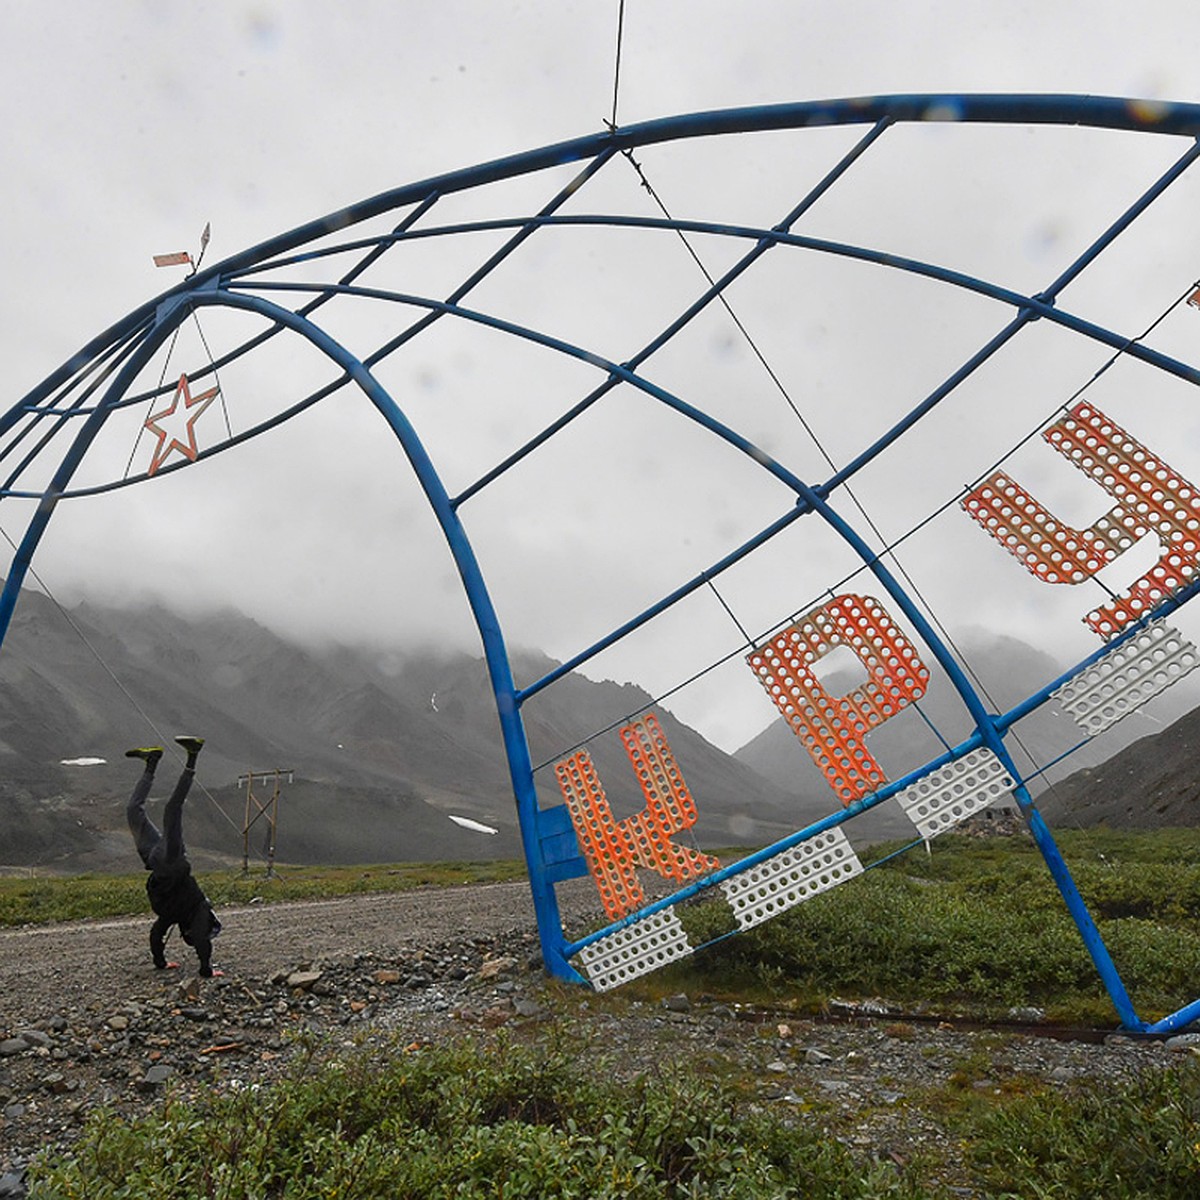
pixel 174 894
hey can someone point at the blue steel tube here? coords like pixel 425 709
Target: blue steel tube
pixel 512 727
pixel 74 456
pixel 986 726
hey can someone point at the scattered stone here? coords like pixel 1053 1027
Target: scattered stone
pixel 189 991
pixel 1182 1043
pixel 12 1185
pixel 526 1008
pixel 155 1077
pixel 118 1022
pixel 877 1007
pixel 386 977
pixel 815 1057
pixel 13 1045
pixel 493 968
pixel 678 1003
pixel 303 980
pixel 1027 1016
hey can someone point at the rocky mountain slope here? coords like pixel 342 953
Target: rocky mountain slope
pixel 384 747
pixel 1154 782
pixel 1012 671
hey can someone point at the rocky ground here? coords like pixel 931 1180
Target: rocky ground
pixel 85 1021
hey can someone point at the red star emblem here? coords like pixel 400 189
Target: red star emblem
pixel 175 420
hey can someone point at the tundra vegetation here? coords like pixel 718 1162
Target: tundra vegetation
pixel 974 928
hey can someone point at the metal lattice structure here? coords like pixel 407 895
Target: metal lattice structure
pixel 289 285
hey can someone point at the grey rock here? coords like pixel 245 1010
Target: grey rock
pixel 677 1003
pixel 13 1045
pixel 1027 1016
pixel 496 967
pixel 155 1077
pixel 303 980
pixel 12 1185
pixel 1182 1043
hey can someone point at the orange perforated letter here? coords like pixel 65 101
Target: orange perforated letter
pixel 1150 496
pixel 615 848
pixel 834 728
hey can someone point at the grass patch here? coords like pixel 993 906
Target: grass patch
pixel 978 926
pixel 446 1122
pixel 557 1121
pixel 1138 1142
pixel 47 899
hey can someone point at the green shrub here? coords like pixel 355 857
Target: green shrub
pixel 1140 1141
pixel 449 1122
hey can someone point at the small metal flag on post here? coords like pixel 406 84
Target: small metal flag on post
pixel 181 258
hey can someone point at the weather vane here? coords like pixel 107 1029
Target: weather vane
pixel 182 257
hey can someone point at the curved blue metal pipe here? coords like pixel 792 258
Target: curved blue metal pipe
pixel 1100 112
pixel 1172 119
pixel 990 736
pixel 495 653
pixel 57 488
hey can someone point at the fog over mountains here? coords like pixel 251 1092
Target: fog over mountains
pixel 386 747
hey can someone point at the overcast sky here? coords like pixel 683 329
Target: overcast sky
pixel 129 125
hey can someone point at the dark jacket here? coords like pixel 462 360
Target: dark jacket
pixel 176 896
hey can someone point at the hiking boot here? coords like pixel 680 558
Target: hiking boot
pixel 190 744
pixel 150 754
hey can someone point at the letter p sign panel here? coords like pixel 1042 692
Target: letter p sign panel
pixel 834 728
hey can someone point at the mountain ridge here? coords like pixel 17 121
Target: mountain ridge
pixel 387 745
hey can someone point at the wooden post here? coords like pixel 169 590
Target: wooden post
pixel 270 810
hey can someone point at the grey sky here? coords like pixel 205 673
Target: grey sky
pixel 130 125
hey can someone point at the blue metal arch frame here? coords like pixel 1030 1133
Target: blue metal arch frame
pixel 123 350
